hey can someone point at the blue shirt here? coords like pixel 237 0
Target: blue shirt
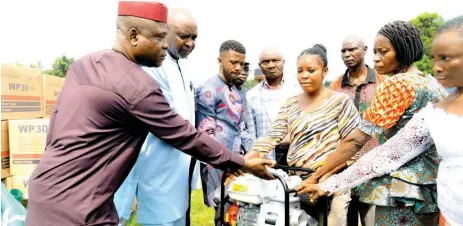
pixel 160 175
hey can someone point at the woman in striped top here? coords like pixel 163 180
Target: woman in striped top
pixel 316 119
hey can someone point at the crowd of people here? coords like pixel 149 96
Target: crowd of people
pixel 382 139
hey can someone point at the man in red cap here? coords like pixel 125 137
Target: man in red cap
pixel 107 106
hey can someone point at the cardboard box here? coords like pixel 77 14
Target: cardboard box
pixel 18 182
pixel 21 92
pixel 27 143
pixel 5 151
pixel 51 88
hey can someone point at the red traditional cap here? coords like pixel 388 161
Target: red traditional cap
pixel 148 10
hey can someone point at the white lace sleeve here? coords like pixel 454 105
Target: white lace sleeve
pixel 408 143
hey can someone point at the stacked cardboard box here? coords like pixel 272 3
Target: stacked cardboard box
pixel 51 89
pixel 27 142
pixel 21 99
pixel 28 98
pixel 5 151
pixel 21 92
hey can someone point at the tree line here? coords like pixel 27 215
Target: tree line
pixel 59 68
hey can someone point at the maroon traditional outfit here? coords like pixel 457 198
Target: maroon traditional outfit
pixel 107 106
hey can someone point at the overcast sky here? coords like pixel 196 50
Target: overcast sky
pixel 43 30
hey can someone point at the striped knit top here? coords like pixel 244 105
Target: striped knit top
pixel 313 135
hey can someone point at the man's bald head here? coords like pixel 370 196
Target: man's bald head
pixel 144 41
pixel 271 62
pixel 270 51
pixel 353 51
pixel 183 31
pixel 355 40
pixel 179 17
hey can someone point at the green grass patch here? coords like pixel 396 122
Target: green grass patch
pixel 201 215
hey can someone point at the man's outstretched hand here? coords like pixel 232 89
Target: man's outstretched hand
pixel 248 156
pixel 257 167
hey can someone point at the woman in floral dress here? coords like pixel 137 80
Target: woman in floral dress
pixel 406 196
pixel 437 124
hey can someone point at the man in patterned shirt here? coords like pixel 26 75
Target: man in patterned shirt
pixel 359 82
pixel 219 112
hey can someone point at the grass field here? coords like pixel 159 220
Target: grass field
pixel 201 215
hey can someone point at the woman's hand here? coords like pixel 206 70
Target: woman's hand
pixel 314 189
pixel 311 180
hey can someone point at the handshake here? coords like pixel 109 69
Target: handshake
pixel 258 167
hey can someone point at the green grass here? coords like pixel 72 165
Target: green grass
pixel 201 215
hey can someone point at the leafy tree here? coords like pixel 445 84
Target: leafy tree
pixel 427 24
pixel 60 66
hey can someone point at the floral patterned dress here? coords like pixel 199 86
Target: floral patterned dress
pixel 406 196
pixel 430 126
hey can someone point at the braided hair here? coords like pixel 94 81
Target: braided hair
pixel 317 49
pixel 455 23
pixel 407 42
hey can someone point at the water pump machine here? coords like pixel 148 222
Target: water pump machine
pixel 258 202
